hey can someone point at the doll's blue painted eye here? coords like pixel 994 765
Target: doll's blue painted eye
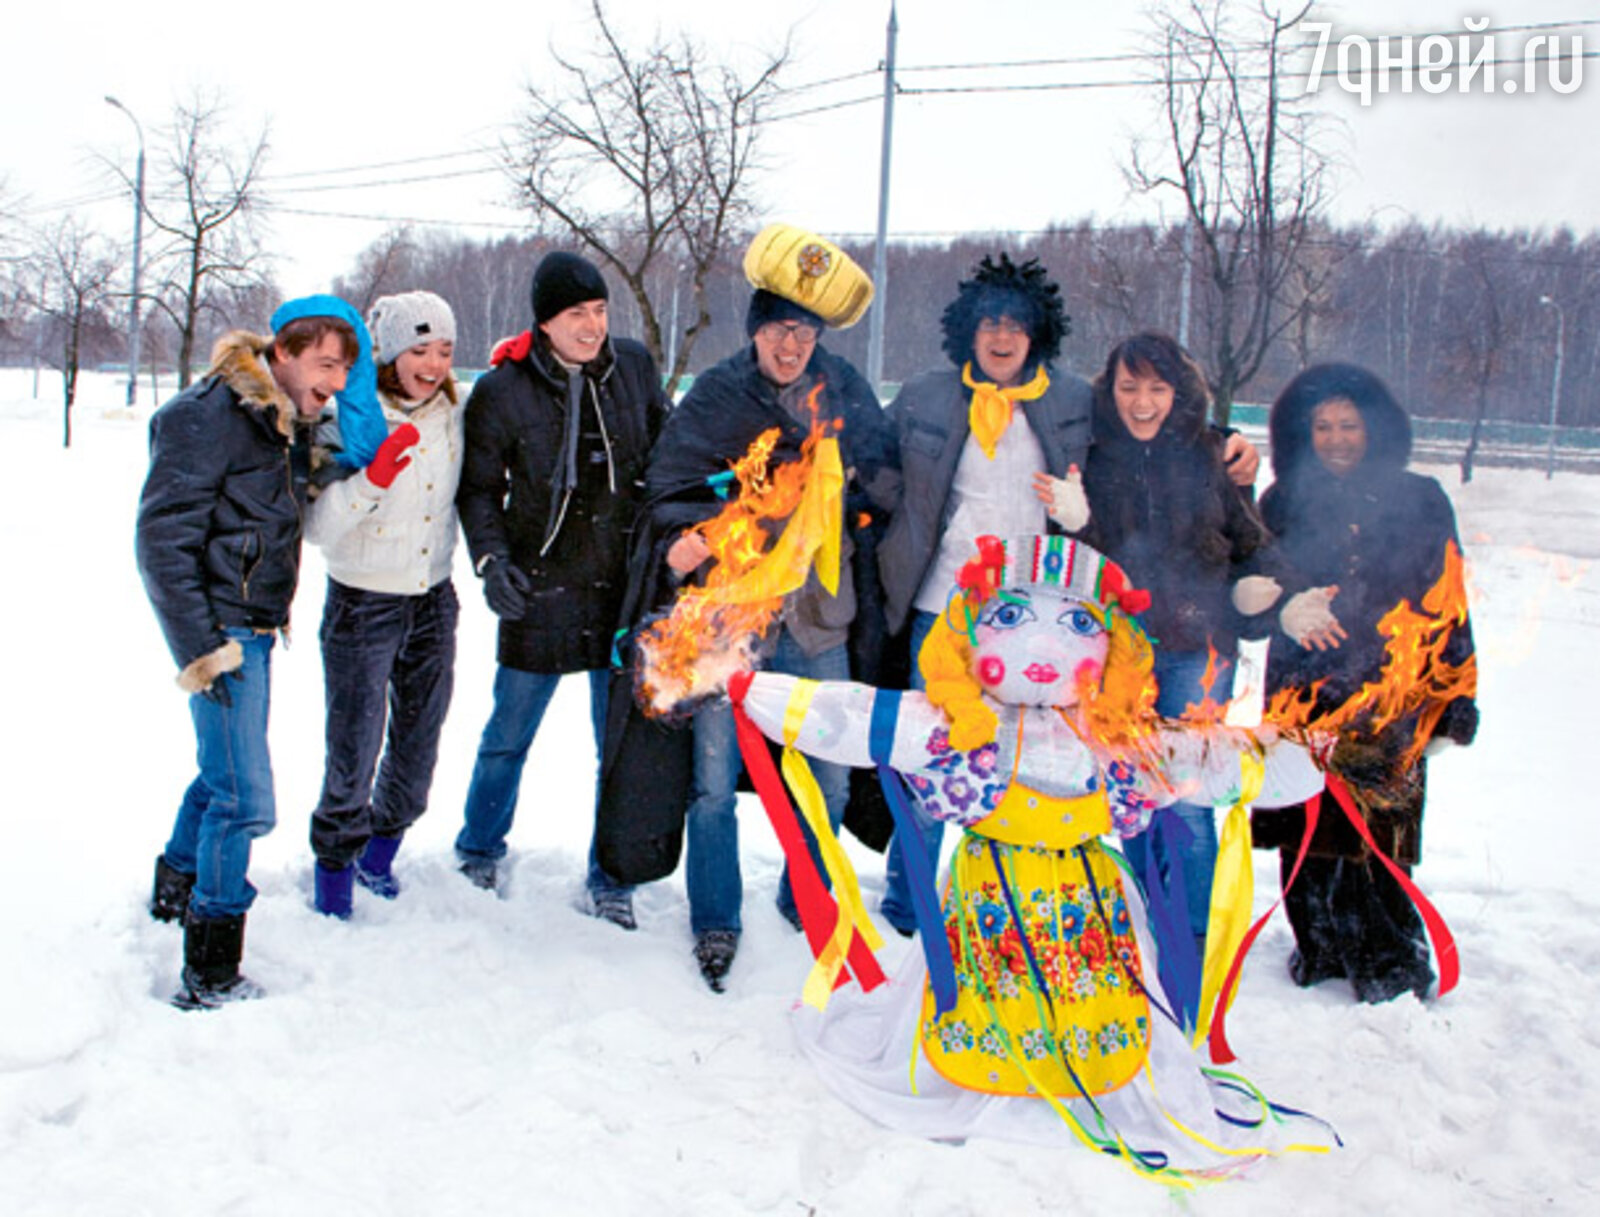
pixel 1006 615
pixel 1081 622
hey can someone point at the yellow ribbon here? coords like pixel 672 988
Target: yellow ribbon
pixel 813 534
pixel 808 798
pixel 1232 894
pixel 990 412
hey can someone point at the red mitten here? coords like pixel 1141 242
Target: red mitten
pixel 392 456
pixel 511 348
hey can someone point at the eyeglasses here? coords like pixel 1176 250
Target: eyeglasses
pixel 777 331
pixel 1003 325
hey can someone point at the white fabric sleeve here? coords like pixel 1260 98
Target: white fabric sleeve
pixel 838 723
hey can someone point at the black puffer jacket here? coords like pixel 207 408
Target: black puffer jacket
pixel 552 478
pixel 1165 510
pixel 1379 533
pixel 219 524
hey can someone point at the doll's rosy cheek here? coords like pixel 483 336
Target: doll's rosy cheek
pixel 1088 673
pixel 991 669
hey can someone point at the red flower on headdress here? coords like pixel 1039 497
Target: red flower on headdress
pixel 980 578
pixel 1114 585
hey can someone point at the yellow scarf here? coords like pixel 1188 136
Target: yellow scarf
pixel 990 413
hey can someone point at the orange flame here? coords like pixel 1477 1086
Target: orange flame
pixel 1416 680
pixel 712 628
pixel 1208 711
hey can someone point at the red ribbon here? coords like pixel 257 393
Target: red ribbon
pixel 1444 943
pixel 818 911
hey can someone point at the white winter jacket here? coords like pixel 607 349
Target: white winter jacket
pixel 400 540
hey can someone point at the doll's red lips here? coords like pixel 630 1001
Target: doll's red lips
pixel 1041 673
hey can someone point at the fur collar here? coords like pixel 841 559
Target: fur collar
pixel 240 359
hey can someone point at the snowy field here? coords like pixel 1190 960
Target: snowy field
pixel 453 1052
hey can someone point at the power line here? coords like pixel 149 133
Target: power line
pixel 394 181
pixel 411 160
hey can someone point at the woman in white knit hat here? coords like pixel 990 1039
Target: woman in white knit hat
pixel 388 534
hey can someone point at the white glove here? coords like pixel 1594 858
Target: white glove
pixel 1256 594
pixel 1069 506
pixel 1307 619
pixel 1437 745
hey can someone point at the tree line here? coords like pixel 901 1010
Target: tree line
pixel 645 158
pixel 1451 318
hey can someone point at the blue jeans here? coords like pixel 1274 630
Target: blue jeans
pixel 711 869
pixel 896 903
pixel 1193 842
pixel 520 700
pixel 231 802
pixel 388 665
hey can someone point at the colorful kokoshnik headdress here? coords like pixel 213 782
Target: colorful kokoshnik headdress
pixel 1037 560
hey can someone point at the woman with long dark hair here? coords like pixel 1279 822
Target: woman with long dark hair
pixel 1163 507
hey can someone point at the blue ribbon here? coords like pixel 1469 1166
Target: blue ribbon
pixel 1168 907
pixel 919 876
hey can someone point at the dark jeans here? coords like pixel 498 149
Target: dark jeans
pixel 388 662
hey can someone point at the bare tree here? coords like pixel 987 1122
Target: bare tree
pixel 379 268
pixel 74 269
pixel 1481 341
pixel 204 212
pixel 1239 154
pixel 645 156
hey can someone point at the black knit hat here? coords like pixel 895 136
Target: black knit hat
pixel 768 306
pixel 563 280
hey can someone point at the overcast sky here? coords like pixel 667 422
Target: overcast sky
pixel 415 95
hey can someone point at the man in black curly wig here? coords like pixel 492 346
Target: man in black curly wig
pixel 973 438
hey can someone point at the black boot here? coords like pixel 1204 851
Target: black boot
pixel 169 898
pixel 212 948
pixel 714 951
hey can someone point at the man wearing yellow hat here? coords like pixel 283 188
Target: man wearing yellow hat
pixel 803 285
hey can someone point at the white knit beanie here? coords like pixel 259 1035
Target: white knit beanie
pixel 401 322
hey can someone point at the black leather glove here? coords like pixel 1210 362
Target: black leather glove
pixel 506 588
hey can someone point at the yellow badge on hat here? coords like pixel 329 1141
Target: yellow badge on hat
pixel 810 271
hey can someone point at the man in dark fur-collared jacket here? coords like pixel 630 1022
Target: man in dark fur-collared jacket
pixel 218 546
pixel 557 437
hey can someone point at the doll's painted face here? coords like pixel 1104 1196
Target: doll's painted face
pixel 1036 647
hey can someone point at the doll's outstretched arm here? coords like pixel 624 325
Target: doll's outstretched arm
pixel 1211 765
pixel 836 718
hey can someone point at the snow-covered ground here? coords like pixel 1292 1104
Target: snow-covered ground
pixel 453 1052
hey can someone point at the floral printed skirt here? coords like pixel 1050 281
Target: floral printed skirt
pixel 1050 999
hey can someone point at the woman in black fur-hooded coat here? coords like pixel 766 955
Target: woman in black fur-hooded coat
pixel 1349 515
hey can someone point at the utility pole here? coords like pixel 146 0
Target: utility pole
pixel 1555 385
pixel 138 237
pixel 880 256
